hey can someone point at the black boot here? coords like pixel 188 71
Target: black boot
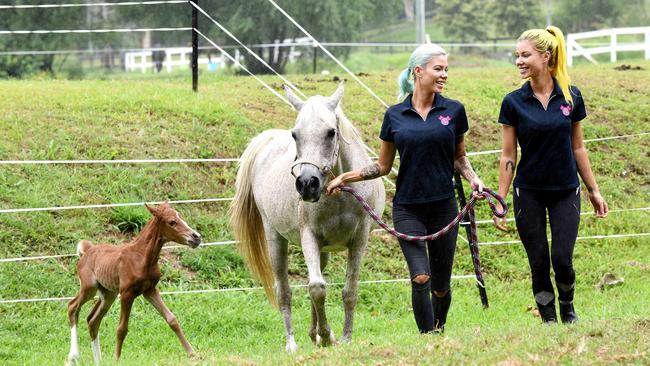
pixel 547 312
pixel 546 305
pixel 565 298
pixel 440 310
pixel 567 313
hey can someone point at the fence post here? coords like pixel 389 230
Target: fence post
pixel 195 47
pixel 458 183
pixel 647 44
pixel 612 56
pixel 569 49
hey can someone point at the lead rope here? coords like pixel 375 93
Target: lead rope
pixel 490 196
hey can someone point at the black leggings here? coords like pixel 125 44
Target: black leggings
pixel 563 209
pixel 433 258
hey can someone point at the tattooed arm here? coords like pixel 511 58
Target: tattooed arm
pixel 375 170
pixel 462 166
pixel 507 166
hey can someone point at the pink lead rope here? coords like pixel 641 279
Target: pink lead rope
pixel 468 210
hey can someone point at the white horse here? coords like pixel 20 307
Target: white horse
pixel 281 178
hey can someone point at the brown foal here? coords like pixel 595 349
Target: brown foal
pixel 129 270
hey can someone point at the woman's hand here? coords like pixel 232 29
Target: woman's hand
pixel 500 222
pixel 600 206
pixel 477 187
pixel 334 186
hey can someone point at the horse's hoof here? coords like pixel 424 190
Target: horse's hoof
pixel 333 341
pixel 72 359
pixel 346 339
pixel 318 341
pixel 327 341
pixel 291 347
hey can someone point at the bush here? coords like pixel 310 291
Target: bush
pixel 129 219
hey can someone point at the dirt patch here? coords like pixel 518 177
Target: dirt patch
pixel 642 325
pixel 625 67
pixel 639 265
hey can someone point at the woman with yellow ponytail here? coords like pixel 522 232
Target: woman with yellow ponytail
pixel 544 117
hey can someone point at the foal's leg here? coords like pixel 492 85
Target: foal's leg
pixel 317 291
pixel 313 331
pixel 278 250
pixel 86 293
pixel 153 296
pixel 355 253
pixel 126 302
pixel 106 299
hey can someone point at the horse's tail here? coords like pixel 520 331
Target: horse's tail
pixel 83 246
pixel 246 220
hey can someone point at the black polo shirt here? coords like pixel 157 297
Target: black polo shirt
pixel 544 136
pixel 426 148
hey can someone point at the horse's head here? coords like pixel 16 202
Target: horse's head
pixel 173 227
pixel 316 134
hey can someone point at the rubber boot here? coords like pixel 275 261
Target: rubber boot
pixel 565 298
pixel 546 305
pixel 567 313
pixel 547 312
pixel 440 309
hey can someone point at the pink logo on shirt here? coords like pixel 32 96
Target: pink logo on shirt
pixel 566 109
pixel 444 120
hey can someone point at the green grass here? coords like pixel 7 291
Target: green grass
pixel 145 116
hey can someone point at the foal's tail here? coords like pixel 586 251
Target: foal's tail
pixel 83 246
pixel 246 221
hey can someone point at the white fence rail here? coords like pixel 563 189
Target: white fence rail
pixel 575 49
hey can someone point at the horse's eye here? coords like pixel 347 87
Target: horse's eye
pixel 293 134
pixel 331 133
pixel 172 223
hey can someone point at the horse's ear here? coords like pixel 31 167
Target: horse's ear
pixel 335 98
pixel 293 99
pixel 153 210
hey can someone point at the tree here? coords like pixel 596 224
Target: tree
pixel 512 17
pixel 464 20
pixel 409 10
pixel 257 21
pixel 33 19
pixel 48 19
pixel 586 15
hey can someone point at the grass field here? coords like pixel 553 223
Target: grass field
pixel 142 117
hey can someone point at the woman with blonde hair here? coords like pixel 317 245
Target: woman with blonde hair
pixel 428 131
pixel 544 116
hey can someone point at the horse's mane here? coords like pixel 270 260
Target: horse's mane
pixel 348 131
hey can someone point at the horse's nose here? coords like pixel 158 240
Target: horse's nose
pixel 309 187
pixel 314 183
pixel 196 236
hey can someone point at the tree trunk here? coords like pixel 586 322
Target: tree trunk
pixel 409 10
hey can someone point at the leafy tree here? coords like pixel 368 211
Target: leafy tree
pixel 46 19
pixel 512 17
pixel 258 22
pixel 586 15
pixel 464 20
pixel 581 15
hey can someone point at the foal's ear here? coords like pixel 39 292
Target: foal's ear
pixel 335 98
pixel 153 210
pixel 293 99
